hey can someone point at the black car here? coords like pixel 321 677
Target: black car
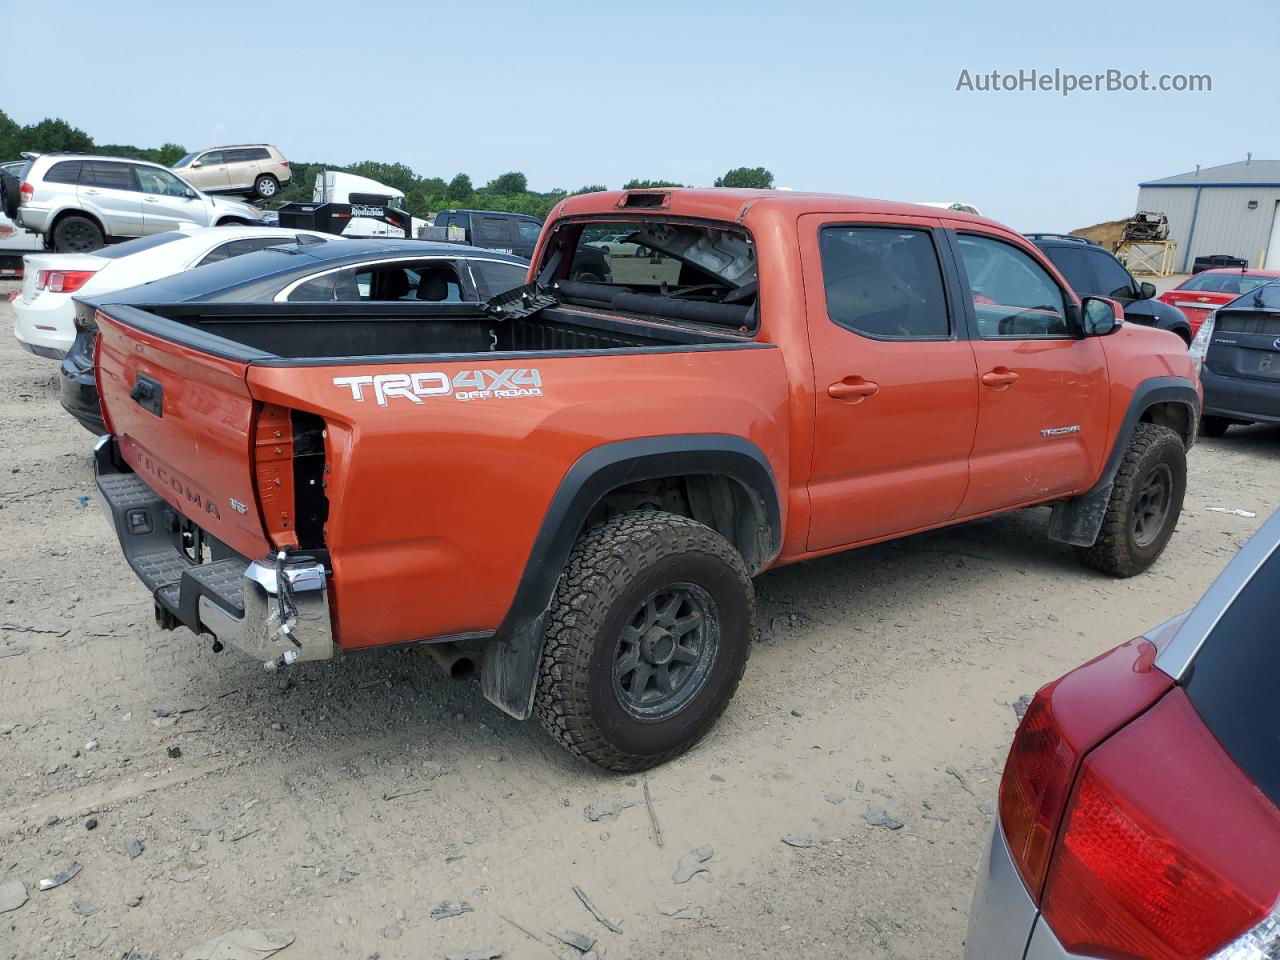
pixel 1092 271
pixel 1239 349
pixel 350 272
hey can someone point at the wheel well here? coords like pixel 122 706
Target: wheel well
pixel 723 503
pixel 77 213
pixel 231 222
pixel 1176 416
pixel 270 176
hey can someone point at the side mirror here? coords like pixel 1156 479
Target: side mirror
pixel 1148 290
pixel 1102 316
pixel 190 194
pixel 196 164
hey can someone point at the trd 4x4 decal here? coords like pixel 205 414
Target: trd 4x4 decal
pixel 464 385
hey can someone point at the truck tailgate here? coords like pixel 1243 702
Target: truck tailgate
pixel 184 422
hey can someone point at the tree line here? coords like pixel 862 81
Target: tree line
pixel 423 195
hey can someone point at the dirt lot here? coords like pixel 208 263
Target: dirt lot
pixel 347 806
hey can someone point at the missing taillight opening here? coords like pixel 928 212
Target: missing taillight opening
pixel 290 472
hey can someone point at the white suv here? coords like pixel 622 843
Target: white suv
pixel 81 203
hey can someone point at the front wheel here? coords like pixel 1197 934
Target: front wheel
pixel 231 222
pixel 648 636
pixel 266 186
pixel 1145 503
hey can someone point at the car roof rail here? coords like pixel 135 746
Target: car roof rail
pixel 1060 236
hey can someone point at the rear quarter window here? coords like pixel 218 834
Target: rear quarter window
pixel 65 171
pixel 1235 679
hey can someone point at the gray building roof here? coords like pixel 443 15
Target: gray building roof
pixel 1243 173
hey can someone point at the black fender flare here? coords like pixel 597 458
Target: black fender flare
pixel 508 676
pixel 1079 520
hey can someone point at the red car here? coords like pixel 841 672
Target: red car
pixel 1140 804
pixel 1199 295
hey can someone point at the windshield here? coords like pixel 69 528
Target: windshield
pixel 187 159
pixel 118 250
pixel 1233 283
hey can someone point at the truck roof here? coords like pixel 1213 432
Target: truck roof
pixel 732 204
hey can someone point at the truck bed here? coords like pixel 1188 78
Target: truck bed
pixel 313 332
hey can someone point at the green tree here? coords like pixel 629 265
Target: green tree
pixel 459 189
pixel 650 184
pixel 757 177
pixel 508 183
pixel 49 135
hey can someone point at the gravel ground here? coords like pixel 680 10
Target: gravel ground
pixel 347 806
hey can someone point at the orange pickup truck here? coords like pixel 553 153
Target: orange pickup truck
pixel 569 487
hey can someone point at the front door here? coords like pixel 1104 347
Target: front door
pixel 209 172
pixel 895 381
pixel 165 203
pixel 1043 397
pixel 109 190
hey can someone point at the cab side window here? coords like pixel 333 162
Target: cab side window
pixel 1013 296
pixel 884 282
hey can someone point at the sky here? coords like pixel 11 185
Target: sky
pixel 843 97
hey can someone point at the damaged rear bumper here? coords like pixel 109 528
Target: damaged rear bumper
pixel 274 609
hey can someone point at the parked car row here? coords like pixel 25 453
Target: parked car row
pixel 80 203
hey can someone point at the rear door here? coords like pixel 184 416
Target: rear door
pixel 242 167
pixel 895 381
pixel 110 191
pixel 1042 394
pixel 184 420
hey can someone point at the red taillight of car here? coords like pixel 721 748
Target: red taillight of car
pixel 285 164
pixel 1066 719
pixel 1034 789
pixel 25 192
pixel 1168 851
pixel 62 281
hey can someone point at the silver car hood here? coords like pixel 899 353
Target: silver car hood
pixel 236 207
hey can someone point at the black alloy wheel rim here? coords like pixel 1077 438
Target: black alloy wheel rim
pixel 666 651
pixel 80 237
pixel 1151 505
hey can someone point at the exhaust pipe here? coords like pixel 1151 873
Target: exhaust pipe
pixel 452 660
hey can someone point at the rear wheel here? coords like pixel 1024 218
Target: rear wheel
pixel 1146 501
pixel 266 186
pixel 1213 426
pixel 649 634
pixel 76 234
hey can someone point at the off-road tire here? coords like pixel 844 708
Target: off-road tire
pixel 610 571
pixel 1213 427
pixel 1117 550
pixel 77 234
pixel 273 187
